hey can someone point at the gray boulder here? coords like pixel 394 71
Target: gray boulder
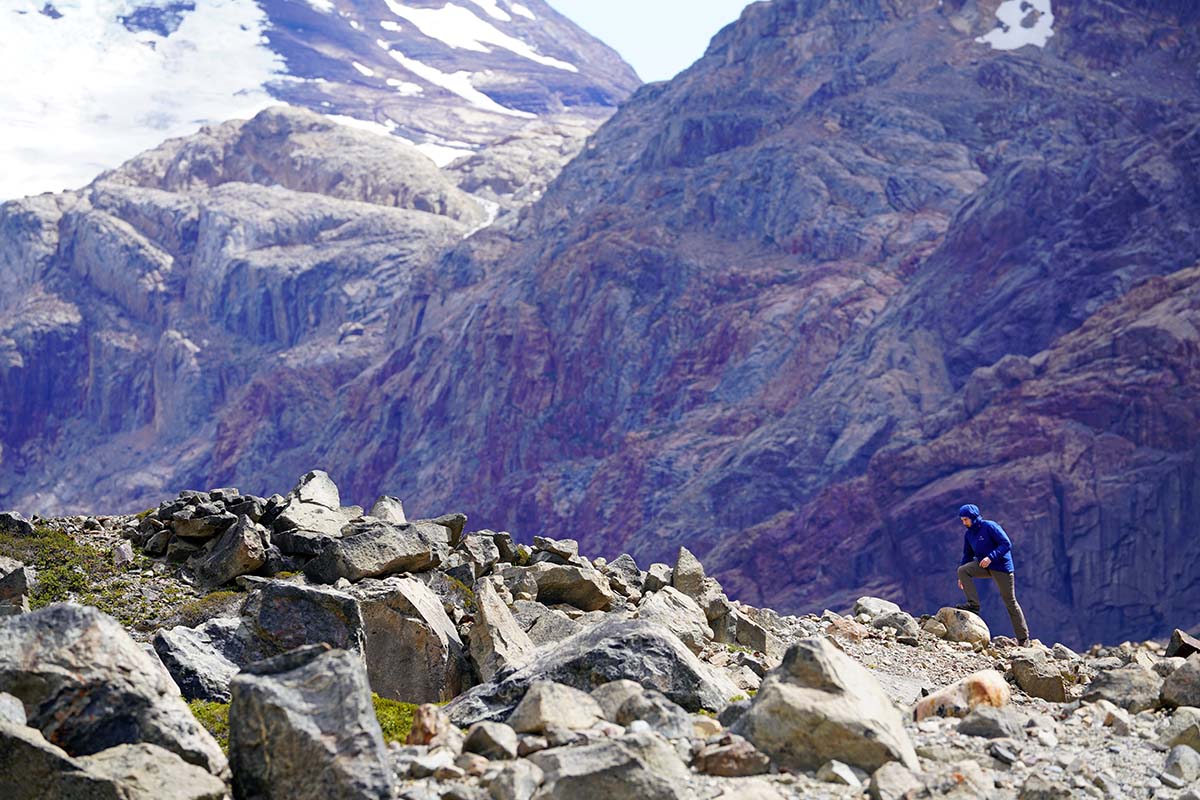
pixel 282 615
pixel 148 772
pixel 516 780
pixel 1182 644
pixel 12 710
pixel 318 488
pixel 242 549
pixel 1039 675
pixel 371 548
pixel 565 549
pixel 204 659
pixel 992 723
pixel 663 716
pixel 1133 688
pixel 493 740
pixel 33 769
pixel 584 588
pixel 893 781
pixel 688 575
pixel 497 642
pixel 1183 728
pixel 624 576
pixel 642 766
pixel 657 576
pixel 481 551
pixel 13 524
pixel 819 705
pixel 388 509
pixel 680 614
pixel 543 625
pixel 413 650
pixel 610 650
pixel 302 726
pixel 1182 687
pixel 874 607
pixel 16 581
pixel 899 621
pixel 611 696
pixel 963 626
pixel 1184 763
pixel 88 686
pixel 552 705
pixel 306 529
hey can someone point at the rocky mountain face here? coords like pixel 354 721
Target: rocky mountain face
pixel 861 263
pixel 105 80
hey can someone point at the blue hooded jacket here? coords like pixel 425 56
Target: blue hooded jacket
pixel 985 539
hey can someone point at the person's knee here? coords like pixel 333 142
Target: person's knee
pixel 964 572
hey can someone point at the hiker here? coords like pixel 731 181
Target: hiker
pixel 987 553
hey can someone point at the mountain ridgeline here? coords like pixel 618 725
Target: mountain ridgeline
pixel 854 267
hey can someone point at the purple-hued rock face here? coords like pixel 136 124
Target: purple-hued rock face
pixel 852 269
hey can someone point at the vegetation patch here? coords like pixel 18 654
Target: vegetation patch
pixel 395 718
pixel 215 719
pixel 214 604
pixel 466 593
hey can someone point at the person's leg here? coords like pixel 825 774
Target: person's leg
pixel 966 576
pixel 1008 590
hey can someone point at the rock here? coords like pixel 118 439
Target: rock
pixel 934 628
pixel 283 615
pixel 302 725
pixel 318 488
pixel 412 648
pixel 893 781
pixel 1039 676
pixel 434 729
pixel 899 621
pixel 13 524
pixel 16 582
pixel 819 705
pixel 612 695
pixel 731 756
pixel 688 575
pixel 12 710
pixel 148 772
pixel 1037 787
pixel 1164 667
pixel 624 576
pixel 370 549
pixel 634 766
pixel 704 727
pixel 984 688
pixel 516 780
pixel 553 705
pixel 497 642
pixel 874 607
pixel 992 723
pixel 584 588
pixel 307 529
pixel 1184 763
pixel 1132 688
pixel 608 651
pixel 663 716
pixel 1183 728
pixel 242 549
pixel 1182 687
pixel 1182 644
pixel 495 740
pixel 123 554
pixel 837 772
pixel 963 626
pixel 543 625
pixel 388 509
pixel 88 686
pixel 203 660
pixel 680 614
pixel 481 550
pixel 33 769
pixel 657 576
pixel 201 529
pixel 566 549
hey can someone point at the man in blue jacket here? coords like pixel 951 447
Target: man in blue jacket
pixel 987 553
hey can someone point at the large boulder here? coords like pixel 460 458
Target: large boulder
pixel 1182 687
pixel 610 650
pixel 306 529
pixel 413 650
pixel 1133 688
pixel 318 488
pixel 624 576
pixel 583 587
pixel 148 772
pixel 678 613
pixel 639 766
pixel 497 642
pixel 369 548
pixel 204 659
pixel 963 626
pixel 15 584
pixel 552 705
pixel 13 524
pixel 984 688
pixel 820 704
pixel 1182 644
pixel 874 606
pixel 282 615
pixel 240 550
pixel 302 727
pixel 88 686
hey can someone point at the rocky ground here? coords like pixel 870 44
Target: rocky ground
pixel 337 652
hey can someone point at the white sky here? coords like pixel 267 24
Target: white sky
pixel 657 37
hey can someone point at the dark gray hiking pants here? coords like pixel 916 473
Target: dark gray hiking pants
pixel 968 572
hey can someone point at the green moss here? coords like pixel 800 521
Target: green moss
pixel 464 591
pixel 198 611
pixel 737 698
pixel 65 566
pixel 215 719
pixel 394 717
pixel 737 648
pixel 524 554
pixel 141 515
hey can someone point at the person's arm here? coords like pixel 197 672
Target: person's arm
pixel 1002 543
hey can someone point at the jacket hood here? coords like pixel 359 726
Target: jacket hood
pixel 969 510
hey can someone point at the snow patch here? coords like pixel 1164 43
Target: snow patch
pixel 460 28
pixel 356 25
pixel 405 88
pixel 1022 22
pixel 493 10
pixel 459 83
pixel 92 93
pixel 324 6
pixel 363 124
pixel 521 10
pixel 389 25
pixel 365 70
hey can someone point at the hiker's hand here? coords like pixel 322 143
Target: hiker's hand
pixel 960 584
pixel 983 562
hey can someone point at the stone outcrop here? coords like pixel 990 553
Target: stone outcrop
pixel 498 644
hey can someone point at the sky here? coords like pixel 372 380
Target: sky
pixel 659 38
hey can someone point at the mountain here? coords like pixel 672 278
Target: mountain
pixel 864 261
pixel 103 81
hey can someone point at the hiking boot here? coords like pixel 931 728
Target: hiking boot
pixel 1022 643
pixel 974 609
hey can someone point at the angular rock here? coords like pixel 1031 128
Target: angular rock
pixel 15 584
pixel 13 524
pixel 612 695
pixel 33 769
pixel 680 614
pixel 543 625
pixel 1182 687
pixel 318 488
pixel 819 705
pixel 688 575
pixel 992 723
pixel 608 651
pixel 984 688
pixel 88 686
pixel 1037 787
pixel 1132 688
pixel 482 552
pixel 306 529
pixel 1182 644
pixel 874 607
pixel 553 705
pixel 497 642
pixel 433 728
pixel 494 740
pixel 1183 728
pixel 624 576
pixel 283 615
pixel 516 780
pixel 663 716
pixel 899 621
pixel 240 550
pixel 454 524
pixel 934 628
pixel 370 549
pixel 302 725
pixel 201 529
pixel 388 509
pixel 963 626
pixel 148 772
pixel 1039 676
pixel 12 710
pixel 731 756
pixel 837 772
pixel 566 549
pixel 584 588
pixel 893 781
pixel 412 648
pixel 635 766
pixel 1166 666
pixel 657 576
pixel 203 660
